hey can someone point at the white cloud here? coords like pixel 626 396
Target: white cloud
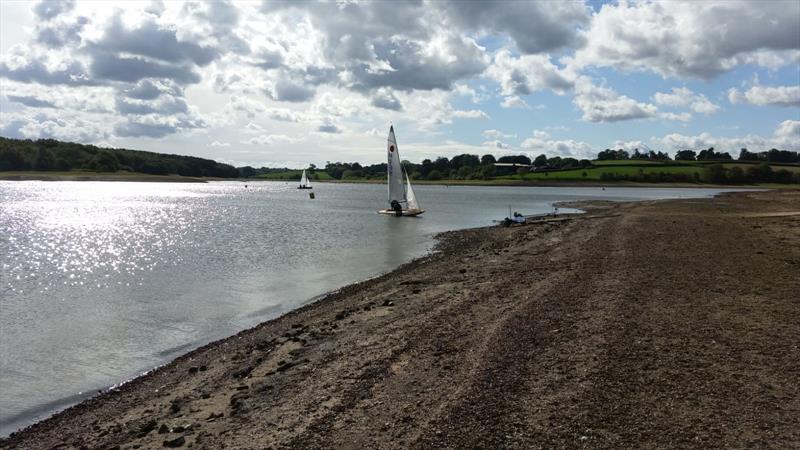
pixel 496 134
pixel 767 95
pixel 220 144
pixel 541 142
pixel 602 104
pixel 469 114
pixel 785 137
pixel 270 139
pixel 684 98
pixel 789 129
pixel 680 117
pixel 514 101
pixel 527 74
pixel 497 144
pixel 690 38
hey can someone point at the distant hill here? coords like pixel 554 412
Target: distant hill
pixel 51 155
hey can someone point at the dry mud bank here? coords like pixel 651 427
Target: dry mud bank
pixel 654 324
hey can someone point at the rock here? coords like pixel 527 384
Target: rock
pixel 193 369
pixel 173 443
pixel 243 372
pixel 163 429
pixel 297 325
pixel 416 291
pixel 203 368
pixel 341 315
pixel 242 387
pixel 148 427
pixel 388 303
pixel 462 271
pixel 178 429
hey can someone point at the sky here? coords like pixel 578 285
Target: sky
pixel 289 83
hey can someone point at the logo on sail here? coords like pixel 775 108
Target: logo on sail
pixel 391 148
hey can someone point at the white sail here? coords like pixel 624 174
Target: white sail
pixel 304 179
pixel 412 199
pixel 394 170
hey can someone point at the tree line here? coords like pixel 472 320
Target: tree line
pixel 53 155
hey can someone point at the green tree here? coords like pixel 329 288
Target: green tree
pixel 488 160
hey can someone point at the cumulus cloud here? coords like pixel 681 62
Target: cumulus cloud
pixel 45 123
pixel 602 104
pixel 527 74
pixel 56 34
pixel 370 45
pixel 163 105
pixel 541 142
pixel 496 134
pixel 535 27
pixel 270 139
pixel 329 127
pixel 680 117
pixel 26 66
pixel 31 101
pixel 785 137
pixel 691 39
pixel 157 126
pixel 384 98
pixel 514 101
pixel 470 114
pixel 49 9
pixel 767 95
pixel 684 98
pixel 789 129
pixel 289 91
pixel 497 144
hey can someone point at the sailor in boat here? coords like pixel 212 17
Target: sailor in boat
pixel 398 210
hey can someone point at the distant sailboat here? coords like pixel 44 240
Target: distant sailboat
pixel 402 201
pixel 304 184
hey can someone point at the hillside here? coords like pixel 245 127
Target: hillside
pixel 49 155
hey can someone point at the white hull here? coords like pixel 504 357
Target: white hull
pixel 406 212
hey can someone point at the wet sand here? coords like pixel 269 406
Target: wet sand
pixel 649 324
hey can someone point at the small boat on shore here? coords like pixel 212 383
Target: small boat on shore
pixel 402 201
pixel 304 184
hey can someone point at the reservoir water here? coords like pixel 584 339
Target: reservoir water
pixel 101 281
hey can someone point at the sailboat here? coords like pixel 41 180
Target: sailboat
pixel 304 184
pixel 402 201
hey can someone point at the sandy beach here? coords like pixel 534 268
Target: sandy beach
pixel 648 324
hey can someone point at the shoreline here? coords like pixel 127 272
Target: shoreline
pixel 402 359
pixel 141 177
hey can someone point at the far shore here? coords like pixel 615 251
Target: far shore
pixel 143 177
pixel 654 324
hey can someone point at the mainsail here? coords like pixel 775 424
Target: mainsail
pixel 304 179
pixel 395 170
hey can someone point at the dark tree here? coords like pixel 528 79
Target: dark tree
pixel 487 160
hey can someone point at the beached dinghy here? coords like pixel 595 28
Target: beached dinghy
pixel 402 201
pixel 304 184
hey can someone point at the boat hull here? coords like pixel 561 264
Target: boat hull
pixel 406 212
pixel 304 187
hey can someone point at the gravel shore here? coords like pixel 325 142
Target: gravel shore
pixel 649 324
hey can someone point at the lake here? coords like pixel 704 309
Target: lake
pixel 102 281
